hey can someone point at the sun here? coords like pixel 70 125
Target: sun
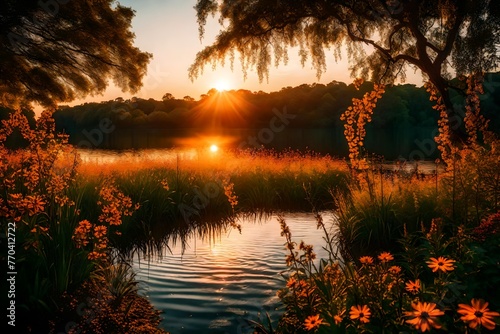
pixel 222 85
pixel 214 148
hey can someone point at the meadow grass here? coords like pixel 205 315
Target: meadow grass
pixel 177 196
pixel 71 216
pixel 54 248
pixel 413 254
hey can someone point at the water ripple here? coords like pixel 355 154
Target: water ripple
pixel 217 285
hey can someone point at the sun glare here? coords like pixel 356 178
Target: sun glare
pixel 222 85
pixel 214 148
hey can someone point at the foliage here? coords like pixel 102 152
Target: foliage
pixel 55 51
pixel 56 250
pixel 108 303
pixel 435 272
pixel 382 208
pixel 437 277
pixel 198 194
pixel 432 36
pixel 403 115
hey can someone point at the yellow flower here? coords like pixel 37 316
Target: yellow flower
pixel 366 260
pixel 424 317
pixel 478 314
pixel 441 263
pixel 385 257
pixel 312 322
pixel 413 286
pixel 362 313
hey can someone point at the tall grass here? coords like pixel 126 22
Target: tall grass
pixel 373 217
pixel 62 231
pixel 187 195
pixel 416 254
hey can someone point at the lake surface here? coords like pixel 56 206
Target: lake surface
pixel 221 282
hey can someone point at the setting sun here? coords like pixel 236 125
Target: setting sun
pixel 214 148
pixel 222 85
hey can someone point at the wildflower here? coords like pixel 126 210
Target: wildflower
pixel 413 286
pixel 362 313
pixel 292 282
pixel 95 255
pixel 308 251
pixel 338 318
pixel 81 233
pixel 304 288
pixel 39 228
pixel 312 322
pixel 34 204
pixel 385 257
pixel 100 231
pixel 441 263
pixel 395 270
pixel 366 260
pixel 478 314
pixel 424 317
pixel 435 226
pixel 229 192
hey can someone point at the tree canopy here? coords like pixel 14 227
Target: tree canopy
pixel 438 37
pixel 53 51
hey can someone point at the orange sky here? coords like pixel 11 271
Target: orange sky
pixel 168 29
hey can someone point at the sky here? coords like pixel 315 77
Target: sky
pixel 168 29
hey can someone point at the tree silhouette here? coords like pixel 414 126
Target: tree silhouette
pixel 167 97
pixel 53 51
pixel 433 36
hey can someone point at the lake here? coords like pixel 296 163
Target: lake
pixel 217 283
pixel 222 281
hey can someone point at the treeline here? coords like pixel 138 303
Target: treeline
pixel 403 117
pixel 314 106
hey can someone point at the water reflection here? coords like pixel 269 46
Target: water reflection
pixel 217 284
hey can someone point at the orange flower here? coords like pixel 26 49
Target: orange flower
pixel 441 263
pixel 95 255
pixel 478 314
pixel 385 257
pixel 312 322
pixel 366 260
pixel 413 286
pixel 81 233
pixel 292 282
pixel 395 270
pixel 100 231
pixel 424 316
pixel 338 317
pixel 303 288
pixel 362 313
